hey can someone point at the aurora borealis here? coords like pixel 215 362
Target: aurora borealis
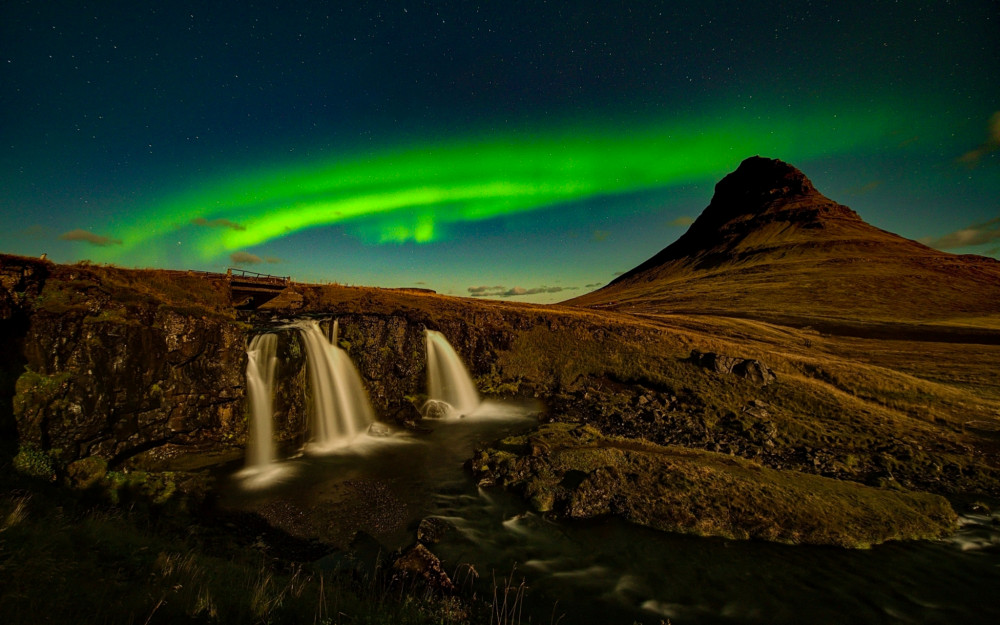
pixel 534 148
pixel 411 195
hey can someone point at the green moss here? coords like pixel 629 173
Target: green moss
pixel 156 488
pixel 35 391
pixel 34 462
pixel 63 297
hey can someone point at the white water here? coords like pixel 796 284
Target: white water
pixel 447 378
pixel 262 361
pixel 341 409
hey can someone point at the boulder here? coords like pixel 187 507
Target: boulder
pixel 746 368
pixel 405 414
pixel 436 409
pixel 714 362
pixel 418 563
pixel 432 529
pixel 85 473
pixel 755 371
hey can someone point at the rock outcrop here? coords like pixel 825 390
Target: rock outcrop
pixel 574 471
pixel 746 368
pixel 113 370
pixel 418 564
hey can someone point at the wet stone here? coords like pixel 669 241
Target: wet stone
pixel 432 530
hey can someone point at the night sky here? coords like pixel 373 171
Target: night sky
pixel 512 149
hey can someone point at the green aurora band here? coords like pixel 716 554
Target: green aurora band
pixel 413 194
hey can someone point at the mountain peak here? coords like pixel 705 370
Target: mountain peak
pixel 765 186
pixel 758 180
pixel 769 243
pixel 764 203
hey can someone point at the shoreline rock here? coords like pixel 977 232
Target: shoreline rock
pixel 573 471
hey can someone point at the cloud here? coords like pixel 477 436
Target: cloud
pixel 865 188
pixel 89 237
pixel 682 221
pixel 502 291
pixel 272 260
pixel 590 286
pixel 619 273
pixel 245 258
pixel 479 291
pixel 600 235
pixel 976 234
pixel 992 143
pixel 217 223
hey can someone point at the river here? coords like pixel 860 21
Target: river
pixel 610 571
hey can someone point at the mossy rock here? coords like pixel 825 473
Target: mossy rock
pixel 87 472
pixel 578 473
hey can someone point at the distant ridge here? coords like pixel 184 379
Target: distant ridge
pixel 769 245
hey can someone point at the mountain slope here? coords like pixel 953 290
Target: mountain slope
pixel 769 245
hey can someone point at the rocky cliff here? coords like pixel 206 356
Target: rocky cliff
pixel 111 363
pixel 131 364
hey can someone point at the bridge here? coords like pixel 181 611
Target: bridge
pixel 249 289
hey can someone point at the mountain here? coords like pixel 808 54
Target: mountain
pixel 770 246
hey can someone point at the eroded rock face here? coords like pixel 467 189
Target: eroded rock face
pixel 114 387
pixel 127 365
pixel 95 366
pixel 633 411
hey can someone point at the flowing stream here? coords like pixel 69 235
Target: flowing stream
pixel 607 571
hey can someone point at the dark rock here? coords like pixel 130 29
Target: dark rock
pixel 418 563
pixel 405 414
pixel 714 362
pixel 755 371
pixel 432 529
pixel 978 507
pixel 746 368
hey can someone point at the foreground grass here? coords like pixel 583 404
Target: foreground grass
pixel 66 560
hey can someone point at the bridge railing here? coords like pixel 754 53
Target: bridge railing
pixel 254 276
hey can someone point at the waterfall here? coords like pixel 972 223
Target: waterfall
pixel 448 380
pixel 341 409
pixel 261 364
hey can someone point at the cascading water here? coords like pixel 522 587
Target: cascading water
pixel 341 409
pixel 448 380
pixel 262 361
